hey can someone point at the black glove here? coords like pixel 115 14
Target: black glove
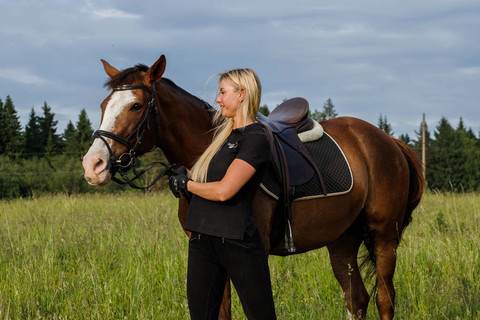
pixel 177 182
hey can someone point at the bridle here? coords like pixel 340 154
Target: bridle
pixel 130 156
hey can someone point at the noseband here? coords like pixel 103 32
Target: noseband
pixel 130 156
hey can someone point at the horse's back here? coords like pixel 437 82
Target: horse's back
pixel 378 150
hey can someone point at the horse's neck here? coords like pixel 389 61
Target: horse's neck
pixel 185 125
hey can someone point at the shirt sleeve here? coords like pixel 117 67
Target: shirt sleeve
pixel 255 150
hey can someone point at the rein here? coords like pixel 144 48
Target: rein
pixel 130 156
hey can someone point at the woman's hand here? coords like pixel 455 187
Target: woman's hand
pixel 177 181
pixel 237 175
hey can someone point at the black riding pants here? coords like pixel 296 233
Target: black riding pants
pixel 211 259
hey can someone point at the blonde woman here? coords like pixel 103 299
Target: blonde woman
pixel 225 241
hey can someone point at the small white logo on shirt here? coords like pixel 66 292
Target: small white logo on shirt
pixel 232 145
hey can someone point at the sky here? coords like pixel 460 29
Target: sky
pixel 398 59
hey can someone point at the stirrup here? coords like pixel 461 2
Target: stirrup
pixel 288 245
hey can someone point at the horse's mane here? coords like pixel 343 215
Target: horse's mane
pixel 135 74
pixel 129 75
pixel 176 87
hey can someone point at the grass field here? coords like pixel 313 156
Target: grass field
pixel 124 257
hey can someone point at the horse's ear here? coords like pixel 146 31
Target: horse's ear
pixel 155 72
pixel 111 71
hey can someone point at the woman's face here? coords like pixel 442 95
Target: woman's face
pixel 229 99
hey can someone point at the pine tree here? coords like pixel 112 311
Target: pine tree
pixel 2 133
pixel 461 126
pixel 329 110
pixel 384 125
pixel 468 158
pixel 444 169
pixel 78 139
pixel 48 127
pixel 50 147
pixel 11 128
pixel 327 113
pixel 317 116
pixel 405 138
pixel 264 110
pixel 84 132
pixel 470 134
pixel 70 139
pixel 33 140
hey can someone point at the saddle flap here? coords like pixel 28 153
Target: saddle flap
pixel 292 152
pixel 300 171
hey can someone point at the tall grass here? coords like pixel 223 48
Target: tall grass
pixel 92 257
pixel 438 272
pixel 124 257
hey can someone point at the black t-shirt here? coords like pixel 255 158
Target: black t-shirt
pixel 232 218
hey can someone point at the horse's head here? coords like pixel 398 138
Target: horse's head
pixel 128 127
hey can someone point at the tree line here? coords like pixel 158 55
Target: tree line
pixel 39 138
pixel 36 159
pixel 452 154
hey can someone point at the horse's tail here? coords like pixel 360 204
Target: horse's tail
pixel 417 183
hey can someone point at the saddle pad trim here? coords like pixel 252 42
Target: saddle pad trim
pixel 313 134
pixel 271 194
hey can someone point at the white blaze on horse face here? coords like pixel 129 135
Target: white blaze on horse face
pixel 117 103
pixel 96 161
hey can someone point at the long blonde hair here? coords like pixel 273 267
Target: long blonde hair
pixel 239 79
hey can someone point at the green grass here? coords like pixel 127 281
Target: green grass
pixel 124 257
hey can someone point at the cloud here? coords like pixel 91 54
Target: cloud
pixel 370 58
pixel 469 71
pixel 21 75
pixel 114 14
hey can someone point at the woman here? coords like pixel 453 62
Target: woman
pixel 225 241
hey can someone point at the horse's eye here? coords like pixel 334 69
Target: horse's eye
pixel 136 107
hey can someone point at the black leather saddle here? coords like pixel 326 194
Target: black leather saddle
pixel 292 163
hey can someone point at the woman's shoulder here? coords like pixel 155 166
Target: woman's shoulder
pixel 254 134
pixel 254 128
pixel 253 146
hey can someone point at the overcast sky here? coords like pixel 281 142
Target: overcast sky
pixel 396 58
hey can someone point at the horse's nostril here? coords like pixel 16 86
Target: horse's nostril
pixel 99 166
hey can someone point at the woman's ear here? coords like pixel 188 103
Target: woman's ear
pixel 242 94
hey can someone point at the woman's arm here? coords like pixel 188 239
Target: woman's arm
pixel 237 175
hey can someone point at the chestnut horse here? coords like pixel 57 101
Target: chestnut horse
pixel 388 180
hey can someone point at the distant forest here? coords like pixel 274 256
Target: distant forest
pixel 36 159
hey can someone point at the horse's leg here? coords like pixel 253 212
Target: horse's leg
pixel 385 219
pixel 386 257
pixel 226 307
pixel 343 257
